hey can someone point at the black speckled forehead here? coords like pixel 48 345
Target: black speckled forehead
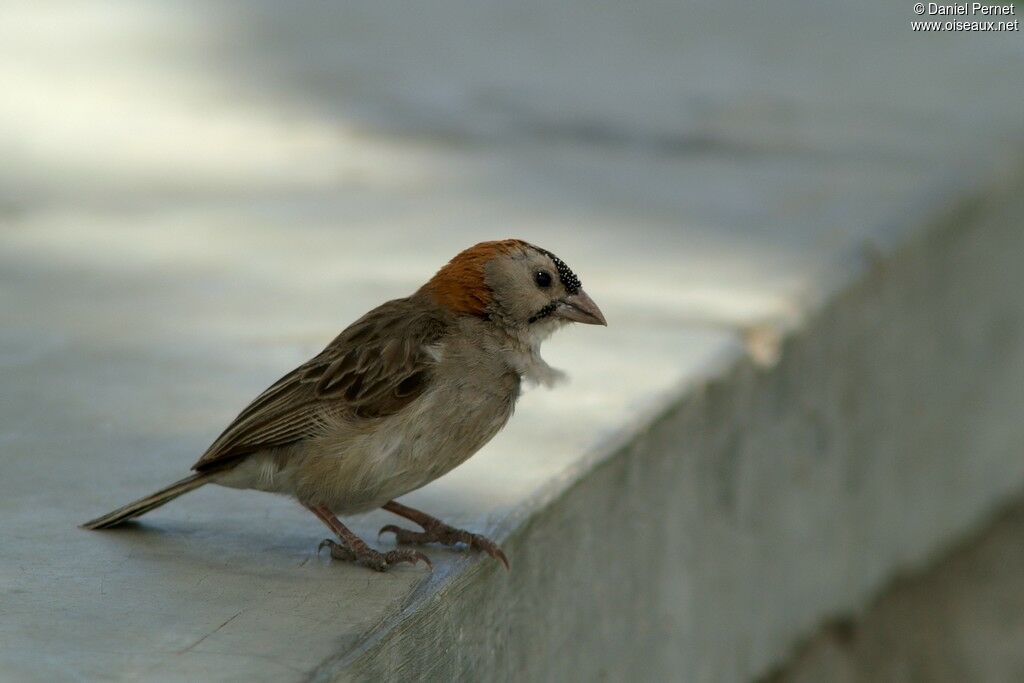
pixel 569 280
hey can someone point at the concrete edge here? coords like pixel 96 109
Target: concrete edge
pixel 906 631
pixel 434 619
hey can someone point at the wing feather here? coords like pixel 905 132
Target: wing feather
pixel 374 368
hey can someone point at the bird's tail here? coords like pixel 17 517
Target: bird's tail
pixel 150 502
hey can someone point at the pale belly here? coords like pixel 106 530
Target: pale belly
pixel 356 470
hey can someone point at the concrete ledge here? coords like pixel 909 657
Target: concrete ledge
pixel 800 218
pixel 768 499
pixel 961 619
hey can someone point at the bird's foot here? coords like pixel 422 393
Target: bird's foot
pixel 368 557
pixel 438 532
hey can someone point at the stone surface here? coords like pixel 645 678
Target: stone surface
pixel 196 197
pixel 959 620
pixel 765 501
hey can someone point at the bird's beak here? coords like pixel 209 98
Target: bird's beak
pixel 580 308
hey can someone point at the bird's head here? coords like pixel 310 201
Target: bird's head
pixel 517 285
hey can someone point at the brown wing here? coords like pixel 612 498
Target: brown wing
pixel 374 368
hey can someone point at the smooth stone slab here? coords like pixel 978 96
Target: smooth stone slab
pixel 197 197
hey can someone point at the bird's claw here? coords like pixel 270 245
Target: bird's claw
pixel 446 535
pixel 338 551
pixel 368 557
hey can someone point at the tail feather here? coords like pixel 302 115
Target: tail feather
pixel 150 502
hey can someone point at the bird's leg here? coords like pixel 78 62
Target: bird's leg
pixel 436 531
pixel 354 549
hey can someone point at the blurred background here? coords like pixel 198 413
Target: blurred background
pixel 198 177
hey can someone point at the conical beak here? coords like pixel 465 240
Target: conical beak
pixel 580 308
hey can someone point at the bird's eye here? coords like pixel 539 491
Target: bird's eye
pixel 542 278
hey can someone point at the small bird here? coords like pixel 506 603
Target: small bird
pixel 399 398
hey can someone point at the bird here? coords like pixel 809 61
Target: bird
pixel 399 398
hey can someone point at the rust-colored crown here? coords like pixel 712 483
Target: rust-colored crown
pixel 459 285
